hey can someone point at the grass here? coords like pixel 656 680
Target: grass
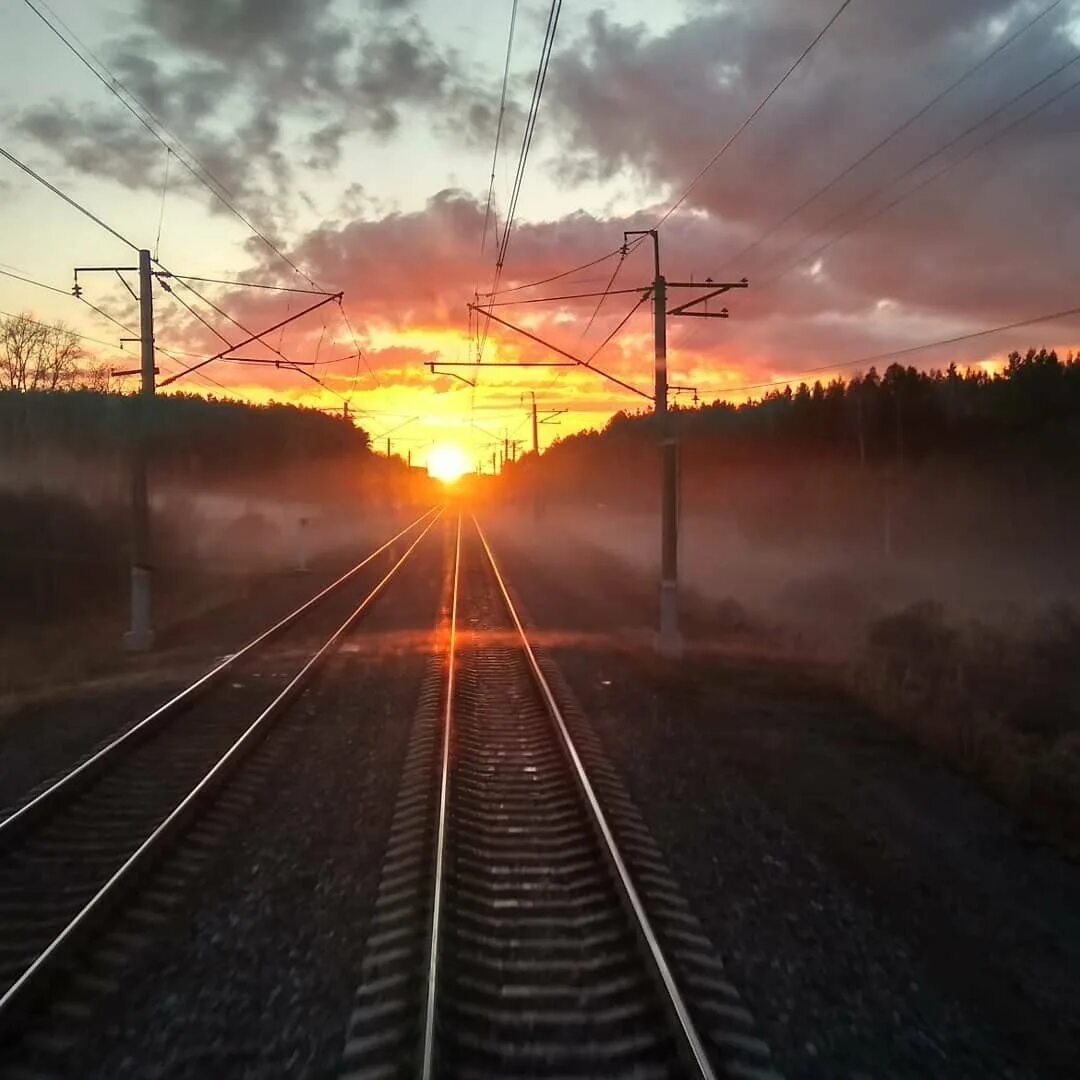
pixel 1002 705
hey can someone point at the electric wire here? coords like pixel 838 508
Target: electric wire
pixel 104 314
pixel 164 192
pixel 608 291
pixel 361 355
pixel 893 134
pixel 254 336
pixel 498 132
pixel 572 296
pixel 523 155
pixel 108 228
pixel 750 119
pixel 554 277
pixel 862 361
pixel 67 198
pixel 50 326
pixel 198 170
pixel 250 284
pixel 530 126
pixel 32 281
pixel 948 167
pixel 172 354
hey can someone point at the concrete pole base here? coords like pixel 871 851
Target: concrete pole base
pixel 140 637
pixel 138 641
pixel 669 642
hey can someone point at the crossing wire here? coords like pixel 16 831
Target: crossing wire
pixel 750 119
pixel 895 133
pixel 258 337
pixel 948 167
pixel 67 198
pixel 862 361
pixel 523 156
pixel 198 171
pixel 530 126
pixel 554 277
pixel 498 132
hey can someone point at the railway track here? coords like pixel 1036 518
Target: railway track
pixel 76 852
pixel 526 924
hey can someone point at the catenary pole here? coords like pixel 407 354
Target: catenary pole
pixel 669 641
pixel 140 635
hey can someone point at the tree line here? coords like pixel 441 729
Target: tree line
pixel 187 434
pixel 1029 410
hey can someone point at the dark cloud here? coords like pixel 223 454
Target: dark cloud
pixel 95 144
pixel 287 45
pixel 224 75
pixel 324 145
pixel 994 239
pixel 397 67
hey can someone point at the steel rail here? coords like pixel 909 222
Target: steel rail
pixel 427 1048
pixel 691 1045
pixel 15 824
pixel 22 992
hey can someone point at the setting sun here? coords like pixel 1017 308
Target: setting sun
pixel 448 463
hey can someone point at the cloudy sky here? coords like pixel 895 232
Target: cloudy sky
pixel 358 136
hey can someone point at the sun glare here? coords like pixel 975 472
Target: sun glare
pixel 448 462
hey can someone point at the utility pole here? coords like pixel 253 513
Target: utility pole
pixel 388 446
pixel 669 640
pixel 140 636
pixel 535 425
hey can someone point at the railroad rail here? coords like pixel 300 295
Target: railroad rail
pixel 526 924
pixel 74 852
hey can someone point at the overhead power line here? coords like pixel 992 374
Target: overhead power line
pixel 569 296
pixel 251 285
pixel 82 209
pixel 253 336
pixel 530 128
pixel 32 281
pixel 152 124
pixel 67 198
pixel 948 167
pixel 523 155
pixel 100 311
pixel 50 326
pixel 750 119
pixel 554 277
pixel 498 132
pixel 893 134
pixel 98 341
pixel 874 358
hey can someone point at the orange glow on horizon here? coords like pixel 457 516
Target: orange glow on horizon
pixel 448 462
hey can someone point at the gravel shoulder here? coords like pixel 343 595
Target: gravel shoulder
pixel 256 977
pixel 882 915
pixel 44 733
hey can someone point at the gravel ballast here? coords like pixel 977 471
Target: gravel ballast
pixel 255 974
pixel 882 915
pixel 45 733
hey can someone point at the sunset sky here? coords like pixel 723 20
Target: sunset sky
pixel 359 135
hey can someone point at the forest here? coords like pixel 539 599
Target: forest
pixel 1029 411
pixel 190 437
